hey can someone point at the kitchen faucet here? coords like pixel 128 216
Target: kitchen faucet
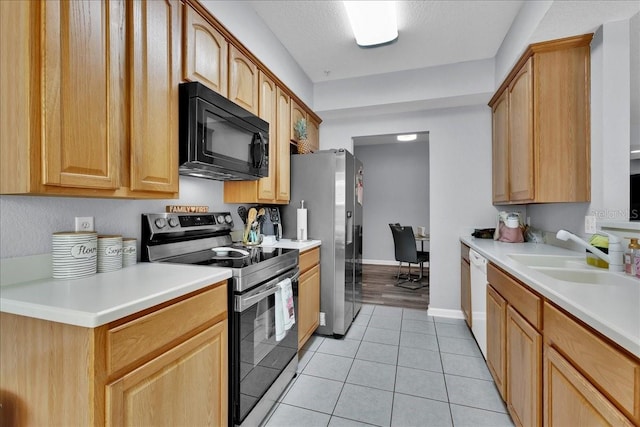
pixel 615 257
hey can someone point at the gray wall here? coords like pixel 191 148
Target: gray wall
pixel 396 178
pixel 26 222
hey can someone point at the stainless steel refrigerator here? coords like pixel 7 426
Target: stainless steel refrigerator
pixel 331 183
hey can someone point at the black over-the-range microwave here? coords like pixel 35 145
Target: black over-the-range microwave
pixel 218 139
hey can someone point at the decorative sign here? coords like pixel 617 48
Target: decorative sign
pixel 187 209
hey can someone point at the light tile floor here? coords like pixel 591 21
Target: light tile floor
pixel 395 367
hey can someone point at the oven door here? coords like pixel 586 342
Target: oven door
pixel 258 359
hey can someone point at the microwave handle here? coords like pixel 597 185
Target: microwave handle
pixel 259 150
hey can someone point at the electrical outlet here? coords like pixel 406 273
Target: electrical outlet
pixel 590 224
pixel 84 223
pixel 323 320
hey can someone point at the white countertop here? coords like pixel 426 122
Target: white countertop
pixel 295 244
pixel 96 300
pixel 613 311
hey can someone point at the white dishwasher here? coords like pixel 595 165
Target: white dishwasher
pixel 479 299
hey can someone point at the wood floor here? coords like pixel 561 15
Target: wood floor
pixel 379 287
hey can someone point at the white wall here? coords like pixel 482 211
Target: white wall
pixel 458 84
pixel 518 36
pixel 459 181
pixel 395 175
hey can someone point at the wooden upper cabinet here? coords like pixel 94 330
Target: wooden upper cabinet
pixel 297 113
pixel 273 189
pixel 541 124
pixel 500 148
pixel 283 185
pixel 204 52
pixel 313 133
pixel 82 73
pixel 155 74
pixel 94 87
pixel 267 110
pixel 520 93
pixel 243 80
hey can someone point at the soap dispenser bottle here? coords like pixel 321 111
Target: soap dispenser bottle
pixel 629 256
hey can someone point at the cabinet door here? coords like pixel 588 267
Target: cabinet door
pixel 313 134
pixel 205 52
pixel 82 93
pixel 268 111
pixel 155 74
pixel 496 338
pixel 297 113
pixel 187 385
pixel 243 80
pixel 500 148
pixel 308 304
pixel 465 290
pixel 524 370
pixel 570 399
pixel 283 185
pixel 521 157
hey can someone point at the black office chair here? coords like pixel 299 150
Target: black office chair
pixel 405 250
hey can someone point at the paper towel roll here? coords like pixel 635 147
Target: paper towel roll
pixel 302 224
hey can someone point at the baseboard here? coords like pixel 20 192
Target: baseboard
pixel 379 262
pixel 387 262
pixel 443 312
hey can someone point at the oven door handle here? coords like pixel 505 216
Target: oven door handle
pixel 244 302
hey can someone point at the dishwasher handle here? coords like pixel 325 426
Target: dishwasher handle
pixel 477 260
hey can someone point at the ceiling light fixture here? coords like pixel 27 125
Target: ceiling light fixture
pixel 373 23
pixel 407 138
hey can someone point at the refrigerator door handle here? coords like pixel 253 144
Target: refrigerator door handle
pixel 349 227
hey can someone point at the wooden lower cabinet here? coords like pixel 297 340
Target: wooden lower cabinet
pixel 183 386
pixel 308 295
pixel 570 399
pixel 524 364
pixel 465 284
pixel 164 366
pixel 514 346
pixel 496 339
pixel 562 374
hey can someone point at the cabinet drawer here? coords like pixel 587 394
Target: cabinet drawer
pixel 308 259
pixel 528 304
pixel 143 336
pixel 615 374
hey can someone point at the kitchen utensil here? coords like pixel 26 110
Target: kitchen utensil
pixel 251 217
pixel 242 211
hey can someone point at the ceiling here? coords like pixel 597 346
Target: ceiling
pixel 317 34
pixel 421 137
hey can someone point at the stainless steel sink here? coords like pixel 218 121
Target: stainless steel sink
pixel 556 261
pixel 593 277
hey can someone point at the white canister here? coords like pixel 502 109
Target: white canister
pixel 129 251
pixel 73 254
pixel 109 253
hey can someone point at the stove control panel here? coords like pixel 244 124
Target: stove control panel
pixel 182 222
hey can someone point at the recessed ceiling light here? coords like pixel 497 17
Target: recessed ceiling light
pixel 407 138
pixel 373 23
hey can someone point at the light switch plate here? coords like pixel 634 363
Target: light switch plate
pixel 590 224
